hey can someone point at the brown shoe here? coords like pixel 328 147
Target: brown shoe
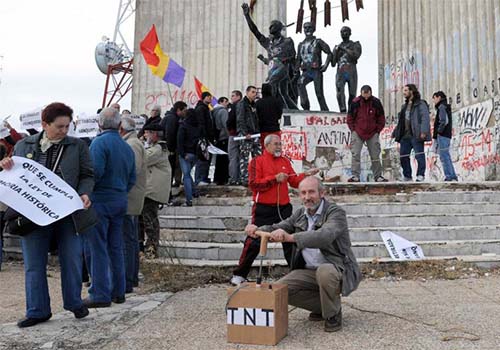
pixel 315 317
pixel 334 323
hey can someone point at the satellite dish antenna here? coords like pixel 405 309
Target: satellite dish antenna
pixel 111 52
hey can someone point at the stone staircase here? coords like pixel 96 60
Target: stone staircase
pixel 449 221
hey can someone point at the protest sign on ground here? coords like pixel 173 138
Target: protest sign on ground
pixel 37 193
pixel 401 249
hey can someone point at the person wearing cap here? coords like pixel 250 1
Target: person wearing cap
pixel 158 185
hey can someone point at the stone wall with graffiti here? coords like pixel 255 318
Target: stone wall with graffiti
pixel 318 139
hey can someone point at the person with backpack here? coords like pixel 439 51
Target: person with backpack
pixel 220 116
pixel 188 139
pixel 412 131
pixel 443 126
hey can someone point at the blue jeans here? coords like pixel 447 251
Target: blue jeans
pixel 104 252
pixel 186 166
pixel 444 155
pixel 406 145
pixel 131 251
pixel 35 251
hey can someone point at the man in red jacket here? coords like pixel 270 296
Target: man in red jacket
pixel 366 120
pixel 268 177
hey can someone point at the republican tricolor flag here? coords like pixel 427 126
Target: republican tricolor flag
pixel 201 88
pixel 160 63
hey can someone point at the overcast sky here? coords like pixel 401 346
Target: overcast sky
pixel 48 51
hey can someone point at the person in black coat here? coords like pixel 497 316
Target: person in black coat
pixel 202 111
pixel 269 112
pixel 187 140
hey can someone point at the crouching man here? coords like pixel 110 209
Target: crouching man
pixel 323 265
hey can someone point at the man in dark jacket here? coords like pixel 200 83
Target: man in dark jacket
pixel 247 125
pixel 170 125
pixel 412 131
pixel 233 148
pixel 323 263
pixel 205 123
pixel 155 118
pixel 187 140
pixel 366 120
pixel 220 116
pixel 269 111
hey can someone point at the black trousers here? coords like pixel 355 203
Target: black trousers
pixel 221 174
pixel 263 214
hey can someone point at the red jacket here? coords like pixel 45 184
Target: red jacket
pixel 366 117
pixel 14 135
pixel 262 172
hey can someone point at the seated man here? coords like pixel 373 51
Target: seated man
pixel 323 264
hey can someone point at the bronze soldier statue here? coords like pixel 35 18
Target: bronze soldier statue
pixel 281 54
pixel 310 62
pixel 345 56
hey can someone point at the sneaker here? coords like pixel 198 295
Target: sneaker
pixel 81 312
pixel 315 317
pixel 237 280
pixel 203 183
pixel 187 204
pixel 420 178
pixel 381 179
pixel 334 323
pixel 353 179
pixel 32 321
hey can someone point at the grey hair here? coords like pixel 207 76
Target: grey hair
pixel 128 124
pixel 269 138
pixel 158 107
pixel 109 118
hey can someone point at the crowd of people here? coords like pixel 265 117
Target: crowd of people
pixel 125 175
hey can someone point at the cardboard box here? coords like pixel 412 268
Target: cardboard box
pixel 257 315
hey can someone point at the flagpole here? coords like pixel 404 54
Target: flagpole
pixel 170 94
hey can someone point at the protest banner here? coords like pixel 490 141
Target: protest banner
pixel 401 249
pixel 139 121
pixel 37 193
pixel 87 125
pixel 32 119
pixel 214 150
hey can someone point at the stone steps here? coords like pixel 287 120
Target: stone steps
pixel 369 250
pixel 372 234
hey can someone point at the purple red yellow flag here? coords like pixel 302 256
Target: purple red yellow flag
pixel 160 63
pixel 200 88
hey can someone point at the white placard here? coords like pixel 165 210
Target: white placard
pixel 87 125
pixel 37 193
pixel 32 119
pixel 214 150
pixel 239 138
pixel 139 121
pixel 4 132
pixel 401 249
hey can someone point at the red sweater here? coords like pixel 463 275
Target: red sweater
pixel 14 135
pixel 262 172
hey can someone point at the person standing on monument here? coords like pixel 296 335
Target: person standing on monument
pixel 412 131
pixel 443 126
pixel 310 62
pixel 366 120
pixel 345 57
pixel 269 112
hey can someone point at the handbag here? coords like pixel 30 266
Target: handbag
pixel 19 225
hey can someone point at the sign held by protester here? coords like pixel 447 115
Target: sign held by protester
pixel 139 121
pixel 31 120
pixel 87 125
pixel 37 193
pixel 401 249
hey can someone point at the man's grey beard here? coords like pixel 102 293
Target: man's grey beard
pixel 314 209
pixel 277 154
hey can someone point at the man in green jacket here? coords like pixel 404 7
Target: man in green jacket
pixel 323 264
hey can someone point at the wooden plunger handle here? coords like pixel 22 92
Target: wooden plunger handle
pixel 264 238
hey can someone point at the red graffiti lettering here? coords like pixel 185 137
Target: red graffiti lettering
pixel 325 120
pixel 294 144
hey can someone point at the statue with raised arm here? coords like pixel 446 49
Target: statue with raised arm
pixel 280 56
pixel 310 63
pixel 345 56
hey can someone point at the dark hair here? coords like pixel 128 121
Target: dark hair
pixel 54 110
pixel 440 94
pixel 267 90
pixel 179 105
pixel 205 94
pixel 250 87
pixel 413 88
pixel 366 88
pixel 237 92
pixel 222 99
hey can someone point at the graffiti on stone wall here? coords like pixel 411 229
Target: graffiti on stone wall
pixel 403 71
pixel 163 99
pixel 294 144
